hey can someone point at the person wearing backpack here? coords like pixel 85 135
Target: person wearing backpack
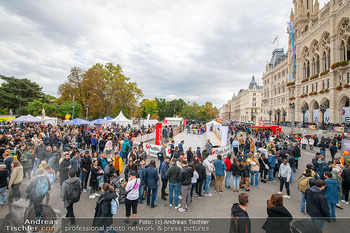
pixel 304 182
pixel 71 191
pixel 220 168
pixel 103 217
pixel 40 186
pixel 132 196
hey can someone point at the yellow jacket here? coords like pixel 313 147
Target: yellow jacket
pixel 120 164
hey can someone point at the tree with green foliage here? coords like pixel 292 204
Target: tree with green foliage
pixel 161 107
pixel 148 107
pixel 67 108
pixel 35 108
pixel 16 93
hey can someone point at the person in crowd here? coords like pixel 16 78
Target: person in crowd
pixel 236 174
pixel 75 163
pixel 40 187
pixel 272 163
pixel 172 149
pixel 109 172
pixel 103 217
pixel 132 197
pixel 151 183
pixel 26 161
pixel 254 167
pixel 235 146
pixel 102 160
pixel 331 193
pixel 278 217
pixel 245 171
pixel 284 175
pixel 305 181
pixel 296 156
pixel 345 175
pixel 240 222
pixel 141 154
pixel 333 150
pixel 264 167
pixel 95 173
pixel 163 169
pixel 4 174
pixel 108 146
pixel 194 179
pixel 64 168
pixel 142 176
pixel 322 147
pixel 118 163
pixel 199 167
pixel 228 170
pixel 132 166
pixel 208 146
pixel 220 168
pixel 304 142
pixel 174 187
pixel 51 176
pixel 311 143
pixel 180 146
pixel 162 155
pixel 94 143
pixel 185 176
pixel 209 168
pixel 39 155
pixel 71 191
pixel 316 204
pixel 16 179
pixel 189 155
pixel 85 166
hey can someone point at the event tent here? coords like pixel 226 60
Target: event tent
pixel 27 119
pixel 76 121
pixel 214 123
pixel 122 120
pixel 100 122
pixel 108 118
pixel 48 120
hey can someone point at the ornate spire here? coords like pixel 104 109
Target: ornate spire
pixel 316 7
pixel 291 17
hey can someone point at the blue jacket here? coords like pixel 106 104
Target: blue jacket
pixel 152 177
pixel 272 161
pixel 93 141
pixel 331 190
pixel 180 147
pixel 235 144
pixel 163 168
pixel 124 145
pixel 75 162
pixel 220 167
pixel 142 175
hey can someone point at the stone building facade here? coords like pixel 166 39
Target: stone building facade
pixel 322 74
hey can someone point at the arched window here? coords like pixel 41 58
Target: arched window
pixel 307 69
pixel 313 65
pixel 328 58
pixel 347 50
pixel 317 64
pixel 325 61
pixel 342 51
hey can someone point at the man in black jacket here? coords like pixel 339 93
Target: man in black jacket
pixel 85 166
pixel 346 184
pixel 202 175
pixel 185 176
pixel 316 204
pixel 295 152
pixel 240 222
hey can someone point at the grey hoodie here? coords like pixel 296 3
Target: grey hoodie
pixel 207 165
pixel 285 171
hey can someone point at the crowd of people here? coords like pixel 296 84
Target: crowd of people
pixel 62 154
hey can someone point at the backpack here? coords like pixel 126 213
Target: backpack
pixel 114 205
pixel 303 183
pixel 52 161
pixel 127 147
pixel 51 178
pixel 74 193
pixel 42 187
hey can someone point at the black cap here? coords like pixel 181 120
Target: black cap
pixel 132 173
pixel 87 152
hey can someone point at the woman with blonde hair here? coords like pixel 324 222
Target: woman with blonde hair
pixel 16 179
pixel 254 167
pixel 51 175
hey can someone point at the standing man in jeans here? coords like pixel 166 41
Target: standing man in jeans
pixel 39 155
pixel 228 171
pixel 142 176
pixel 163 169
pixel 85 166
pixel 304 182
pixel 209 168
pixel 220 168
pixel 4 174
pixel 151 183
pixel 173 175
pixel 185 176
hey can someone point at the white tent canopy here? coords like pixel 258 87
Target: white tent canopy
pixel 48 120
pixel 122 120
pixel 214 123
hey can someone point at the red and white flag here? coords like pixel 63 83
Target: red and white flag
pixel 275 39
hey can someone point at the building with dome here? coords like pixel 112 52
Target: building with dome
pixel 246 105
pixel 320 90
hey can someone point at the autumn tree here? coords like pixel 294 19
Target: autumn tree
pixel 148 107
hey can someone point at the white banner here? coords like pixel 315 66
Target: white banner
pixel 224 135
pixel 316 116
pixel 327 115
pixel 346 115
pixel 307 116
pixel 145 138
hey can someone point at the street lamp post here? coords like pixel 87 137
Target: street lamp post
pixel 323 109
pixel 87 110
pixel 292 106
pixel 284 115
pixel 303 109
pixel 270 113
pixel 278 111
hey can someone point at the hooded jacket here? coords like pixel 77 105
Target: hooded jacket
pixel 66 189
pixel 272 161
pixel 201 171
pixel 207 165
pixel 16 176
pixel 278 219
pixel 331 191
pixel 240 222
pixel 316 203
pixel 285 171
pixel 103 216
pixel 185 175
pixel 220 167
pixel 173 174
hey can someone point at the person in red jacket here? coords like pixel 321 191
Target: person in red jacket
pixel 228 170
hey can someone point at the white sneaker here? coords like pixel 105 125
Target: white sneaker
pixel 171 205
pixel 346 202
pixel 279 192
pixel 97 194
pixel 178 206
pixel 208 195
pixel 84 190
pixel 92 196
pixel 286 196
pixel 180 197
pixel 220 192
pixel 182 210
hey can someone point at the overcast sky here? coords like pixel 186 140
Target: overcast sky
pixel 197 50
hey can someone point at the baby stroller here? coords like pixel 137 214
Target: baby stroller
pixel 119 183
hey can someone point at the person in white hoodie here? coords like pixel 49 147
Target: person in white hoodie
pixel 284 175
pixel 209 168
pixel 304 142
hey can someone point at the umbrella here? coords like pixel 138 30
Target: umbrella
pixel 27 119
pixel 108 118
pixel 76 121
pixel 100 122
